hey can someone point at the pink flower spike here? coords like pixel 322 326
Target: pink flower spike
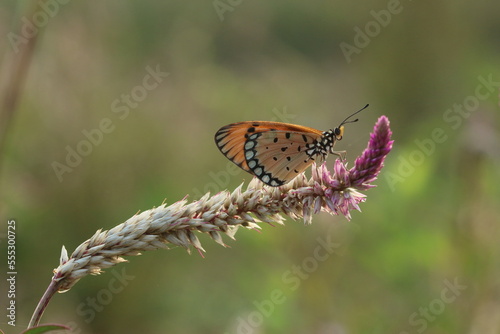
pixel 370 162
pixel 225 212
pixel 341 189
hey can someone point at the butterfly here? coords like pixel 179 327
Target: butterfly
pixel 277 152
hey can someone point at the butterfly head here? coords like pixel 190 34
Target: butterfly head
pixel 338 132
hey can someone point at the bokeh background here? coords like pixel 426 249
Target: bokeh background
pixel 432 222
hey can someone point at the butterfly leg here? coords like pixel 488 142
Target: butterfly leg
pixel 341 154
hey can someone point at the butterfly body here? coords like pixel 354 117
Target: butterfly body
pixel 276 152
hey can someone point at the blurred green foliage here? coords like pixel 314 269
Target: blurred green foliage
pixel 432 220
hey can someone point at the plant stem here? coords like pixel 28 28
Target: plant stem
pixel 42 304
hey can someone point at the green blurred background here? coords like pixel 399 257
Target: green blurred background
pixel 433 221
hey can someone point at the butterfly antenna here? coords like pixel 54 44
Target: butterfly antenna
pixel 345 121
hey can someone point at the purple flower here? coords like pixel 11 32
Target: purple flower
pixel 370 162
pixel 339 191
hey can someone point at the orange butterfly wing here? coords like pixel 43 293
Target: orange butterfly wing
pixel 274 152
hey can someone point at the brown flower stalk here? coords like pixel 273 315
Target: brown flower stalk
pixel 223 213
